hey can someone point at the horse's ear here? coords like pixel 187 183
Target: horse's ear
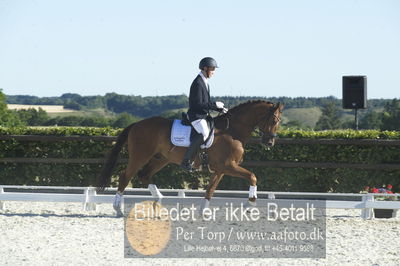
pixel 280 106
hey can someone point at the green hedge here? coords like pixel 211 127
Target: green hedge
pixel 277 179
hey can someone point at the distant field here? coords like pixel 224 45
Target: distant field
pixel 307 116
pixel 47 108
pixel 91 112
pixel 59 110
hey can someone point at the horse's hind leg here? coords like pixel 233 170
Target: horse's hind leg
pixel 124 178
pixel 151 168
pixel 134 165
pixel 217 177
pixel 141 150
pixel 145 175
pixel 130 171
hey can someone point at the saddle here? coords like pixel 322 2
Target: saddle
pixel 181 135
pixel 183 132
pixel 185 119
pixel 186 122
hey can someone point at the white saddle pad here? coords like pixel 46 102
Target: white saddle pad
pixel 180 135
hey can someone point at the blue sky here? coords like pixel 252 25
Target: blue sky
pixel 264 48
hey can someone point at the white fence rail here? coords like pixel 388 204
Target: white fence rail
pixel 89 197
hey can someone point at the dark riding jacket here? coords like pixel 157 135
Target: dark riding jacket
pixel 200 102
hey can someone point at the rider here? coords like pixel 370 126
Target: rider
pixel 200 105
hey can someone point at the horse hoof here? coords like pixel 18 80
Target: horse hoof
pixel 205 203
pixel 252 200
pixel 249 205
pixel 119 212
pixel 117 208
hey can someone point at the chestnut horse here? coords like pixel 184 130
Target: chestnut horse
pixel 150 148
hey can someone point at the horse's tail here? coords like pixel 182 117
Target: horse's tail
pixel 111 161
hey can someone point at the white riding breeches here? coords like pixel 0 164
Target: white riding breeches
pixel 201 126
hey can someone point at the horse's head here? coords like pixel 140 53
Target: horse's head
pixel 270 123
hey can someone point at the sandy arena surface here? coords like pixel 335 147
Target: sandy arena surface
pixel 61 233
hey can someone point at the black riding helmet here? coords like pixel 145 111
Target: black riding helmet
pixel 208 62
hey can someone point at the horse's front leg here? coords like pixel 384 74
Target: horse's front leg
pixel 216 178
pixel 236 170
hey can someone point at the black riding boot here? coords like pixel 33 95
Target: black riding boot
pixel 187 163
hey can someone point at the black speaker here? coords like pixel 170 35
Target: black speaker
pixel 354 92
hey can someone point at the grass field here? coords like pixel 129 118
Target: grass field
pixel 59 110
pixel 306 116
pixel 47 108
pixel 91 112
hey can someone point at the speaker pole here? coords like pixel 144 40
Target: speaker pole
pixel 356 118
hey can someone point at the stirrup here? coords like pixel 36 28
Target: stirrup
pixel 188 166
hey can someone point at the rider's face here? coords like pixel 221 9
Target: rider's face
pixel 209 71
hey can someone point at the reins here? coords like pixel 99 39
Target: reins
pixel 263 118
pixel 227 119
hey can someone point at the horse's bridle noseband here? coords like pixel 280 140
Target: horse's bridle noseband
pixel 269 134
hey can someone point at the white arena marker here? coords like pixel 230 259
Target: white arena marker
pixel 154 191
pixel 181 194
pixel 2 203
pixel 89 206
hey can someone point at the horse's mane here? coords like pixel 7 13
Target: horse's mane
pixel 238 108
pixel 245 104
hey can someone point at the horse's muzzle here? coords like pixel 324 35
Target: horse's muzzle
pixel 268 139
pixel 270 142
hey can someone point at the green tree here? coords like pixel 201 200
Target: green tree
pixel 294 124
pixel 53 121
pixel 172 114
pixel 70 121
pixel 391 116
pixel 7 117
pixel 372 120
pixel 95 121
pixel 33 117
pixel 73 105
pixel 124 119
pixel 330 118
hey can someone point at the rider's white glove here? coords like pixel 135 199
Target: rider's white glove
pixel 219 105
pixel 224 110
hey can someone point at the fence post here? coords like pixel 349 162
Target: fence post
pixel 181 193
pixel 367 213
pixel 2 203
pixel 87 205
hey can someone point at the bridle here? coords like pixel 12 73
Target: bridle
pixel 264 118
